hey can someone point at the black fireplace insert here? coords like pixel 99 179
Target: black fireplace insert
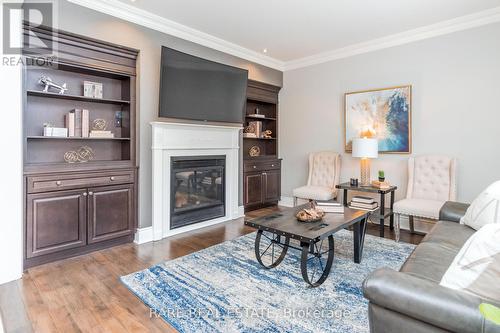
pixel 197 189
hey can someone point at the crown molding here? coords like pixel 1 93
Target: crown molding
pixel 434 30
pixel 144 18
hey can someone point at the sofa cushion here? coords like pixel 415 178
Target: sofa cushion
pixel 436 252
pixel 484 209
pixel 419 207
pixel 476 267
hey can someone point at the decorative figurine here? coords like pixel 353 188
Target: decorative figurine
pixel 92 89
pixel 250 128
pixel 47 81
pixel 268 134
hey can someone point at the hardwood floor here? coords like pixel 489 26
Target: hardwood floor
pixel 84 294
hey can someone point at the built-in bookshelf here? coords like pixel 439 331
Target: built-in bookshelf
pixel 262 107
pixel 116 108
pixel 80 188
pixel 262 173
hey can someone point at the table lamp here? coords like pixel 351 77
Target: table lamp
pixel 365 148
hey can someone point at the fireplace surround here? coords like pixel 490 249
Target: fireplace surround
pixel 183 144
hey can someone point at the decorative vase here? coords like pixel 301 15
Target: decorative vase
pixel 381 179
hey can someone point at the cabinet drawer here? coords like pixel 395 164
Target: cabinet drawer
pixel 250 166
pixel 65 181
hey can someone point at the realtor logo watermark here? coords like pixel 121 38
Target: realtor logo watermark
pixel 27 40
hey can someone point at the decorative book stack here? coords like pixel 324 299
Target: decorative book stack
pixel 77 123
pixel 330 207
pixel 363 203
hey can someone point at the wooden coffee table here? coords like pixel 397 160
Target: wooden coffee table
pixel 315 239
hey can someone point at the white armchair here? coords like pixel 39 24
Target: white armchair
pixel 431 182
pixel 324 172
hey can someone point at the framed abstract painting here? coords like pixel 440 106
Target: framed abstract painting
pixel 382 113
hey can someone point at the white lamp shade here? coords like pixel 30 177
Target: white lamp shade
pixel 365 148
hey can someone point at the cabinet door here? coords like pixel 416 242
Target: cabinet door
pixel 272 185
pixel 111 212
pixel 253 188
pixel 56 221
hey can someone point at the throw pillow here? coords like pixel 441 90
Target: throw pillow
pixel 484 209
pixel 476 267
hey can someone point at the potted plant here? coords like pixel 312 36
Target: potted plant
pixel 381 175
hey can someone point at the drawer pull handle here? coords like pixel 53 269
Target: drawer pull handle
pixel 112 178
pixel 255 167
pixel 91 193
pixel 84 194
pixel 272 165
pixel 58 183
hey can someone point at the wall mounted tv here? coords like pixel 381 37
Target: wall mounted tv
pixel 198 89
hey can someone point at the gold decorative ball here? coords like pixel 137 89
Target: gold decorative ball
pixel 71 156
pixel 99 124
pixel 254 151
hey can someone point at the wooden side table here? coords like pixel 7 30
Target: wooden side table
pixel 381 213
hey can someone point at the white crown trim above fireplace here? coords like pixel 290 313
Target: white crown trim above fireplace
pixel 181 139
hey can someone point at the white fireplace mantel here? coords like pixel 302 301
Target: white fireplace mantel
pixel 181 139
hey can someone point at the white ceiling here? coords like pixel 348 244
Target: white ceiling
pixel 295 29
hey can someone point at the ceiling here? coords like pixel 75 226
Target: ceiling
pixel 291 30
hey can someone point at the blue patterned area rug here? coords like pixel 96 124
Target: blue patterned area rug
pixel 224 289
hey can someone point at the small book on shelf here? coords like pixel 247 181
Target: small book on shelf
pixel 78 122
pixel 361 199
pixel 70 123
pixel 85 123
pixel 328 203
pixel 332 209
pixel 330 206
pixel 359 205
pixel 101 134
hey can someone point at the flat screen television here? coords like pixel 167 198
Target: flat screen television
pixel 198 89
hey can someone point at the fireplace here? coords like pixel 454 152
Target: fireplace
pixel 182 147
pixel 197 189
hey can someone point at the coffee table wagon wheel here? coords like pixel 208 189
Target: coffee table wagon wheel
pixel 270 248
pixel 316 262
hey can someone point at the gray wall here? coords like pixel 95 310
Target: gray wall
pixel 456 86
pixel 87 22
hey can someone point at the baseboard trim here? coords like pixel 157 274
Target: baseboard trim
pixel 241 212
pixel 144 235
pixel 286 202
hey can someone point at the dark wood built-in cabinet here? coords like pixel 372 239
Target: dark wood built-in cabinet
pixel 262 183
pixel 75 208
pixel 56 221
pixel 262 174
pixel 110 212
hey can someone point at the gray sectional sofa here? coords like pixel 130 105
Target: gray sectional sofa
pixel 412 300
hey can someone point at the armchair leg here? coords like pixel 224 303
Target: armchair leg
pixel 397 227
pixel 294 201
pixel 412 225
